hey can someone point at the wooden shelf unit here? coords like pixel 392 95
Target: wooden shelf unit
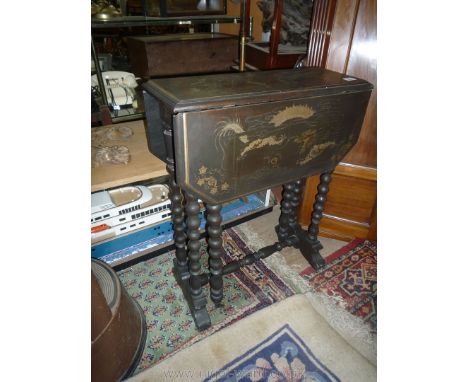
pixel 142 166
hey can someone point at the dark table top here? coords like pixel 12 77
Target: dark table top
pixel 221 90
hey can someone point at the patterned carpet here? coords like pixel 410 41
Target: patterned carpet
pixel 285 342
pixel 350 279
pixel 169 323
pixel 283 356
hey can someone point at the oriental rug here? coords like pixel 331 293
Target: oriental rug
pixel 287 341
pixel 170 326
pixel 350 279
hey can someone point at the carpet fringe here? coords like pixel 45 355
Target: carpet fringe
pixel 353 329
pixel 280 267
pixel 250 237
pixel 276 261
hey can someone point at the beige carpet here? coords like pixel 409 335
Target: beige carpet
pixel 289 263
pixel 226 352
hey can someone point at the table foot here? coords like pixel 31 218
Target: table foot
pixel 197 306
pixel 309 248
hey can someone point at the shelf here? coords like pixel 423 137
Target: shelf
pixel 125 115
pixel 154 239
pixel 142 166
pixel 149 253
pixel 135 21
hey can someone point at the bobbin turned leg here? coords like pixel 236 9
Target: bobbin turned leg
pixel 320 199
pixel 215 248
pixel 322 189
pixel 283 229
pixel 175 195
pixel 197 297
pixel 290 232
pixel 177 212
pixel 296 195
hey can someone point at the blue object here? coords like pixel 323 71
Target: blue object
pixel 283 356
pixel 161 233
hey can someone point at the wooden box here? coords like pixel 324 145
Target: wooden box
pixel 238 133
pixel 177 54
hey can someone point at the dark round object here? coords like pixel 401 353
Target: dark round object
pixel 119 337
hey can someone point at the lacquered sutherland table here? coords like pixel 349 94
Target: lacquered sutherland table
pixel 225 136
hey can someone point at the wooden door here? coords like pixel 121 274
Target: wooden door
pixel 351 207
